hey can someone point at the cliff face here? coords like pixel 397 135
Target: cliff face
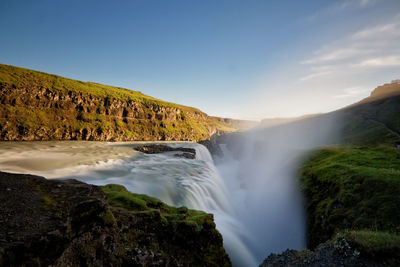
pixel 69 223
pixel 40 106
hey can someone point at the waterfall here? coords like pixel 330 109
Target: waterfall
pixel 260 169
pixel 252 192
pixel 202 153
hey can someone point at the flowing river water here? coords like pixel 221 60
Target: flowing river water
pixel 253 192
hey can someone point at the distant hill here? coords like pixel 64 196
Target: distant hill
pixel 41 106
pixel 373 120
pixel 270 122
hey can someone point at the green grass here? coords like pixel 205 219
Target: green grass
pixel 365 123
pixel 20 77
pixel 352 188
pixel 118 196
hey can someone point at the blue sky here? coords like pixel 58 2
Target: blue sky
pixel 240 59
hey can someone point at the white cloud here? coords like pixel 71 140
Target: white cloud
pixel 389 61
pixel 353 92
pixel 375 46
pixel 379 31
pixel 314 75
pixel 339 6
pixel 336 55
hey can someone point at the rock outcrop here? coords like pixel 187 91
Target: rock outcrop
pixel 156 149
pixel 331 254
pixel 70 223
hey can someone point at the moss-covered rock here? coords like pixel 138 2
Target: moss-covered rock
pixel 70 223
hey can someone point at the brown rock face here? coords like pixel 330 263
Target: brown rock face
pixel 30 112
pixel 70 223
pixel 40 106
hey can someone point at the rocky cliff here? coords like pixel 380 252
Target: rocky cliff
pixel 70 223
pixel 40 106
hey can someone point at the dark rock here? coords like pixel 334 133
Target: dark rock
pixel 185 155
pixel 213 144
pixel 329 254
pixel 156 149
pixel 70 223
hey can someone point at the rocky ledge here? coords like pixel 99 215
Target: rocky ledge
pixel 338 252
pixel 70 223
pixel 189 153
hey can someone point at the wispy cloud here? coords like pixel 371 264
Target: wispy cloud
pixel 314 75
pixel 331 55
pixel 389 61
pixel 352 92
pixel 364 3
pixel 379 31
pixel 339 6
pixel 375 46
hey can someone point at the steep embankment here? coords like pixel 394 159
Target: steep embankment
pixel 41 106
pixel 70 223
pixel 355 189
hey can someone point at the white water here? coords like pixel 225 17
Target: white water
pixel 252 193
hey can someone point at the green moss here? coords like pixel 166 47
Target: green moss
pixel 118 196
pixel 352 188
pixel 47 201
pixel 108 218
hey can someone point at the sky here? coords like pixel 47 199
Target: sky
pixel 240 59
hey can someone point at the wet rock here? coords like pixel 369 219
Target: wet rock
pixel 156 149
pixel 186 155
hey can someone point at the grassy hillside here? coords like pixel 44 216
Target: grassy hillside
pixel 19 77
pixel 41 106
pixel 374 120
pixel 355 192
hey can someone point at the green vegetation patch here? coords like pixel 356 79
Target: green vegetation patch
pixel 352 188
pixel 118 196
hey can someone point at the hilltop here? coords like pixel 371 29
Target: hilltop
pixel 373 120
pixel 41 106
